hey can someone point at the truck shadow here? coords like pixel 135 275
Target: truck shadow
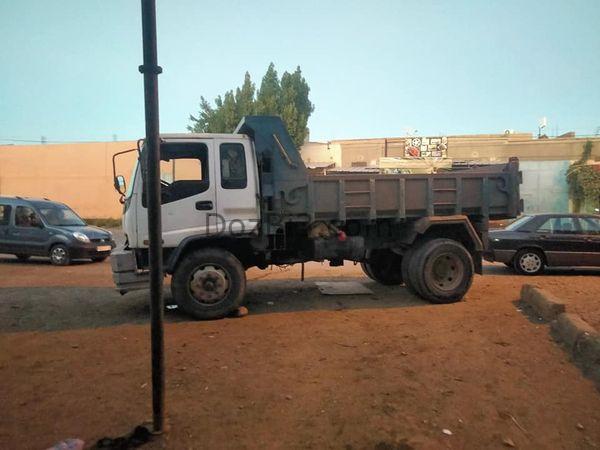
pixel 71 308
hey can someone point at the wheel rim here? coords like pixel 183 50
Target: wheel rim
pixel 209 284
pixel 530 262
pixel 446 273
pixel 59 254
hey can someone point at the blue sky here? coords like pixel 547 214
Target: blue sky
pixel 376 68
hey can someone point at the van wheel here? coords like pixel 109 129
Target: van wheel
pixel 384 266
pixel 22 257
pixel 59 255
pixel 209 283
pixel 442 270
pixel 529 262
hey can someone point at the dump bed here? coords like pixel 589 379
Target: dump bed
pixel 291 194
pixel 490 191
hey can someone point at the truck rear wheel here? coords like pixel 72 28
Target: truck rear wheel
pixel 442 270
pixel 384 266
pixel 406 273
pixel 209 283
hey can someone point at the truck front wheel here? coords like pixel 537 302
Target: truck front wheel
pixel 442 270
pixel 209 283
pixel 383 266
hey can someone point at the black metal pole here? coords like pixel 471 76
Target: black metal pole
pixel 150 69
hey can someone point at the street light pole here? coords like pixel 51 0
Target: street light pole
pixel 150 69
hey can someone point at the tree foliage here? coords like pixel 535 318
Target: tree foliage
pixel 583 180
pixel 287 98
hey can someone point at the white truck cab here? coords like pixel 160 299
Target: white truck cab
pixel 209 185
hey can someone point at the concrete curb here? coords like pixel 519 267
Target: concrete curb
pixel 582 340
pixel 543 302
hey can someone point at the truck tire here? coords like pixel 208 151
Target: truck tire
pixel 442 270
pixel 409 282
pixel 209 283
pixel 384 266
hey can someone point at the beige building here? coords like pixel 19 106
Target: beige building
pixel 78 174
pixel 81 175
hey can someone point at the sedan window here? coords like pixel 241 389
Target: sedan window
pixel 589 225
pixel 559 225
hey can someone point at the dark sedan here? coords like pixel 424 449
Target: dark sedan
pixel 534 242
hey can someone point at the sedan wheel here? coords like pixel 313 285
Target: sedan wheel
pixel 529 262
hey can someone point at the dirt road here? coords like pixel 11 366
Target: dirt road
pixel 381 371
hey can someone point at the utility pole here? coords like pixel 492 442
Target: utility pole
pixel 150 69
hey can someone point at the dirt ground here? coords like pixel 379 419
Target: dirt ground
pixel 303 370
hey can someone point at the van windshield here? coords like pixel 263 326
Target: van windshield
pixel 59 215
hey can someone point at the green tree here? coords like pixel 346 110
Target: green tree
pixel 296 107
pixel 583 180
pixel 288 98
pixel 268 99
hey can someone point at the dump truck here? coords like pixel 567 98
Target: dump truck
pixel 230 202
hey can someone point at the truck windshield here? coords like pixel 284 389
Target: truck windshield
pixel 59 215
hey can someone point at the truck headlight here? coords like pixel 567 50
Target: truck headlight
pixel 81 237
pixel 496 239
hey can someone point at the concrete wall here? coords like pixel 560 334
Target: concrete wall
pixel 79 175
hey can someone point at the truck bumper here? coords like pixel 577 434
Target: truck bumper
pixel 126 275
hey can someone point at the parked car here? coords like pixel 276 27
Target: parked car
pixel 534 242
pixel 40 227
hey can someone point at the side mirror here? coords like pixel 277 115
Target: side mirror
pixel 120 184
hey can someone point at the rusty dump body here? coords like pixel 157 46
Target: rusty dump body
pixel 288 191
pixel 485 191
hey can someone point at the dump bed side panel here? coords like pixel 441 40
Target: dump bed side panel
pixel 491 191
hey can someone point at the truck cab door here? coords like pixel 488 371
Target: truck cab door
pixel 237 186
pixel 188 196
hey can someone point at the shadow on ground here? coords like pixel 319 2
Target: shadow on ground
pixel 65 308
pixel 501 269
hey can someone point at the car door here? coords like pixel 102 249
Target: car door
pixel 590 229
pixel 562 241
pixel 237 186
pixel 28 235
pixel 5 239
pixel 188 196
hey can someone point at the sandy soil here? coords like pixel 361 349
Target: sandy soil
pixel 381 371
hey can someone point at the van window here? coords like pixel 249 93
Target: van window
pixel 26 217
pixel 233 166
pixel 4 214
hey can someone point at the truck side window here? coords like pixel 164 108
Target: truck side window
pixel 183 171
pixel 4 214
pixel 233 166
